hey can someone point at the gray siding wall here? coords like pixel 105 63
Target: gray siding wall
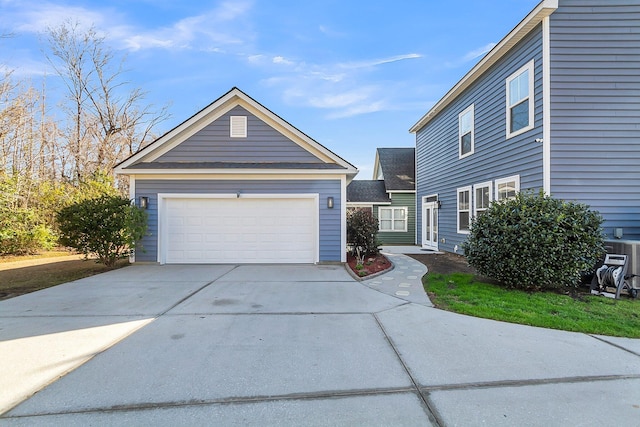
pixel 441 172
pixel 262 144
pixel 396 238
pixel 595 108
pixel 330 226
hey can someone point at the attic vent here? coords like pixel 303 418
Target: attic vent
pixel 238 126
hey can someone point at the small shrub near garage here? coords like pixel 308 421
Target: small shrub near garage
pixel 362 228
pixel 108 227
pixel 535 242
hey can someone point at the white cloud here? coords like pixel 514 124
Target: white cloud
pixel 341 89
pixel 210 31
pixel 282 60
pixel 26 67
pixel 329 32
pixel 255 59
pixel 382 61
pixel 478 52
pixel 47 15
pixel 340 100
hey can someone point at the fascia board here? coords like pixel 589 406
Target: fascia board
pixel 143 172
pixel 376 166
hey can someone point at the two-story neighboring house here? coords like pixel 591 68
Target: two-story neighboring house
pixel 555 105
pixel 390 196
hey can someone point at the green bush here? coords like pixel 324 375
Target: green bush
pixel 22 232
pixel 107 226
pixel 361 232
pixel 535 242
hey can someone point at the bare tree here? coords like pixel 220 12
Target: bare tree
pixel 108 121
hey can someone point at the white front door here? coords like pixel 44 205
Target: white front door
pixel 430 224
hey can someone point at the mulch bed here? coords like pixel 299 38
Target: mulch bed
pixel 372 265
pixel 445 263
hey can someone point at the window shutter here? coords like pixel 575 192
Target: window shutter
pixel 238 126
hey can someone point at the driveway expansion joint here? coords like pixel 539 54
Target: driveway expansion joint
pixel 236 400
pixel 526 383
pixel 194 292
pixel 614 345
pixel 430 409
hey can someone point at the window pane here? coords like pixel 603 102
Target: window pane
pixel 482 198
pixel 435 225
pixel 385 213
pixel 465 122
pixel 520 116
pixel 465 143
pixel 398 225
pixel 385 225
pixel 506 190
pixel 464 220
pixel 519 88
pixel 399 214
pixel 463 200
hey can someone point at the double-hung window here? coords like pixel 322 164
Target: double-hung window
pixel 481 198
pixel 507 188
pixel 392 219
pixel 520 100
pixel 466 132
pixel 464 209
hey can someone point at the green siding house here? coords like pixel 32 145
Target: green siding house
pixel 390 196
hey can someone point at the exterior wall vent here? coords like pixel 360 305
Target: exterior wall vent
pixel 238 127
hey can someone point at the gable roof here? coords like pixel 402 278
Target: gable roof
pixel 398 167
pixel 367 191
pixel 143 160
pixel 535 17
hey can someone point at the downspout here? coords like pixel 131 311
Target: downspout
pixel 132 197
pixel 343 219
pixel 546 106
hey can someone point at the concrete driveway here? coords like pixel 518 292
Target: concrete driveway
pixel 291 345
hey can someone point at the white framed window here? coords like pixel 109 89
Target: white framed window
pixel 466 132
pixel 464 210
pixel 482 196
pixel 507 188
pixel 520 104
pixel 392 219
pixel 238 126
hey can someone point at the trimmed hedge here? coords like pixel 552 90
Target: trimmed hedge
pixel 107 226
pixel 535 242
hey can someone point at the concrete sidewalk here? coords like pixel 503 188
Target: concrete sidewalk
pixel 292 345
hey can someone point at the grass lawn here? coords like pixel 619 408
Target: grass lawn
pixel 22 275
pixel 461 293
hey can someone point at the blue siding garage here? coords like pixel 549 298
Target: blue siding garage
pixel 237 184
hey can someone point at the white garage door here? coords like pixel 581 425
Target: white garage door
pixel 244 230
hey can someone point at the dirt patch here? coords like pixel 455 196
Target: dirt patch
pixel 445 263
pixel 22 277
pixel 372 265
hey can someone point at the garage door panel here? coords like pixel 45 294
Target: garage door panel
pixel 246 230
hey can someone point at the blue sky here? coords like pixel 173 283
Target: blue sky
pixel 352 75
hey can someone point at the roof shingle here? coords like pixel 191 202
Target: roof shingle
pixel 398 168
pixel 367 191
